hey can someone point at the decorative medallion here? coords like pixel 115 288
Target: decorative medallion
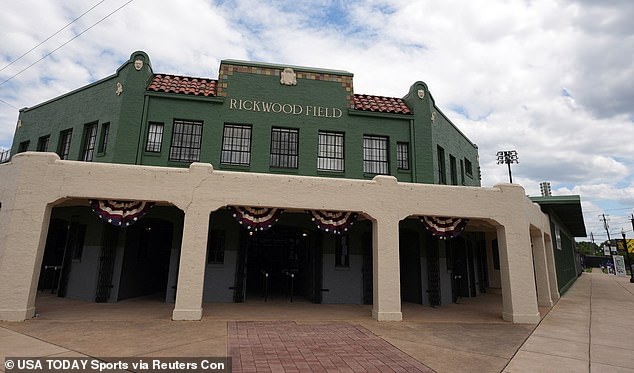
pixel 421 93
pixel 138 64
pixel 19 124
pixel 433 116
pixel 119 90
pixel 288 77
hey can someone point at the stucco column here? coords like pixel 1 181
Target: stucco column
pixel 541 269
pixel 552 272
pixel 386 277
pixel 191 270
pixel 519 298
pixel 22 246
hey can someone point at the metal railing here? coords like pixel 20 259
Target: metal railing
pixel 5 155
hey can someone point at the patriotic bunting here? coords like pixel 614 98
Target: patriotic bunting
pixel 256 218
pixel 335 222
pixel 444 228
pixel 120 213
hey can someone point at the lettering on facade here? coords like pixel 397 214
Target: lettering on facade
pixel 285 108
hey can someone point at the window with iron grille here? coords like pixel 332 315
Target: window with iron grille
pixel 63 147
pixel 24 146
pixel 42 143
pixel 284 147
pixel 154 137
pixel 402 155
pixel 105 132
pixel 453 171
pixel 186 138
pixel 90 138
pixel 330 151
pixel 375 155
pixel 442 175
pixel 468 167
pixel 216 247
pixel 236 144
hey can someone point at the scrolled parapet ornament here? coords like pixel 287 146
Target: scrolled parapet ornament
pixel 288 77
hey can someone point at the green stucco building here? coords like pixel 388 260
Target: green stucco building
pixel 254 117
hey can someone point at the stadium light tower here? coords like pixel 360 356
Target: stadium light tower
pixel 507 157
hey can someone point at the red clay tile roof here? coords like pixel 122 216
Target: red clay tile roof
pixel 380 104
pixel 183 85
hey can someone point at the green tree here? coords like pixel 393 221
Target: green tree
pixel 588 248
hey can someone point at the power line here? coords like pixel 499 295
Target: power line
pixel 75 37
pixel 47 39
pixel 6 103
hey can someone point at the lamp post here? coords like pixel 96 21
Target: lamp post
pixel 508 157
pixel 627 256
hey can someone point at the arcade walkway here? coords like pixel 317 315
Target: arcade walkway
pixel 586 331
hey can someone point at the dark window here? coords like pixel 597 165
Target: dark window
pixel 24 146
pixel 105 132
pixel 330 151
pixel 402 155
pixel 496 254
pixel 442 175
pixel 63 147
pixel 216 247
pixel 154 137
pixel 375 155
pixel 90 138
pixel 284 147
pixel 42 143
pixel 236 144
pixel 468 167
pixel 453 170
pixel 462 172
pixel 76 235
pixel 342 255
pixel 186 137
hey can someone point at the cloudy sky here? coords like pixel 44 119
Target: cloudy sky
pixel 553 80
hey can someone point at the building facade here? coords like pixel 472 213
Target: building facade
pixel 315 193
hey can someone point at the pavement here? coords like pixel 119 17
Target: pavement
pixel 588 330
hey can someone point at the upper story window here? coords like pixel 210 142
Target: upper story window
pixel 402 155
pixel 468 167
pixel 90 138
pixel 453 170
pixel 63 147
pixel 442 175
pixel 154 137
pixel 24 146
pixel 375 155
pixel 236 144
pixel 105 133
pixel 42 143
pixel 186 139
pixel 330 151
pixel 284 147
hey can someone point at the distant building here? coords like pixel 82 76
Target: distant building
pixel 316 193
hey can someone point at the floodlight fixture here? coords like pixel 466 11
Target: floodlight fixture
pixel 507 157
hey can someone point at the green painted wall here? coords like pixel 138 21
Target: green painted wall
pixel 319 102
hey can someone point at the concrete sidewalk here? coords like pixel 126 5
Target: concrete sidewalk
pixel 590 329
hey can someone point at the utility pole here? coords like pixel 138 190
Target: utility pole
pixel 607 230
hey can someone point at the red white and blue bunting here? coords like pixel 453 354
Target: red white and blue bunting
pixel 120 213
pixel 256 218
pixel 335 222
pixel 444 228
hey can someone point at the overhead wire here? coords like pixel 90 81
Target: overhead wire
pixel 48 38
pixel 67 42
